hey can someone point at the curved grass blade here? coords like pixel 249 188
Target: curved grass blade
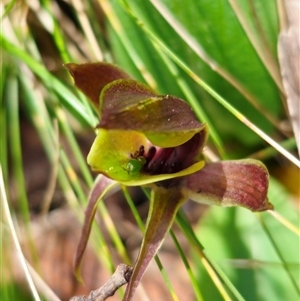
pixel 279 253
pixel 218 277
pixel 16 240
pixel 222 101
pixel 67 97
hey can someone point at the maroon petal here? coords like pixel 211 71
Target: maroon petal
pixel 230 183
pixel 91 78
pixel 171 160
pixel 163 207
pixel 101 186
pixel 130 105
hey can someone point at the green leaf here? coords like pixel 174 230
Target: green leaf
pixel 209 47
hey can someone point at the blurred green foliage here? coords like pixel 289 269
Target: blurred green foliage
pixel 231 45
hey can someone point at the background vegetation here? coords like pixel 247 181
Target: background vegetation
pixel 221 57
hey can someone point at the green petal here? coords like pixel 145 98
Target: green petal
pixel 164 204
pixel 143 179
pixel 111 151
pixel 110 155
pixel 230 183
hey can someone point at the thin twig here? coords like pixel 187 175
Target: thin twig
pixel 120 277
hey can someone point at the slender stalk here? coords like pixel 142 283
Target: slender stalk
pixel 188 268
pixel 213 270
pixel 287 224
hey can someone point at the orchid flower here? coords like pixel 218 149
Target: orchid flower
pixel 156 140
